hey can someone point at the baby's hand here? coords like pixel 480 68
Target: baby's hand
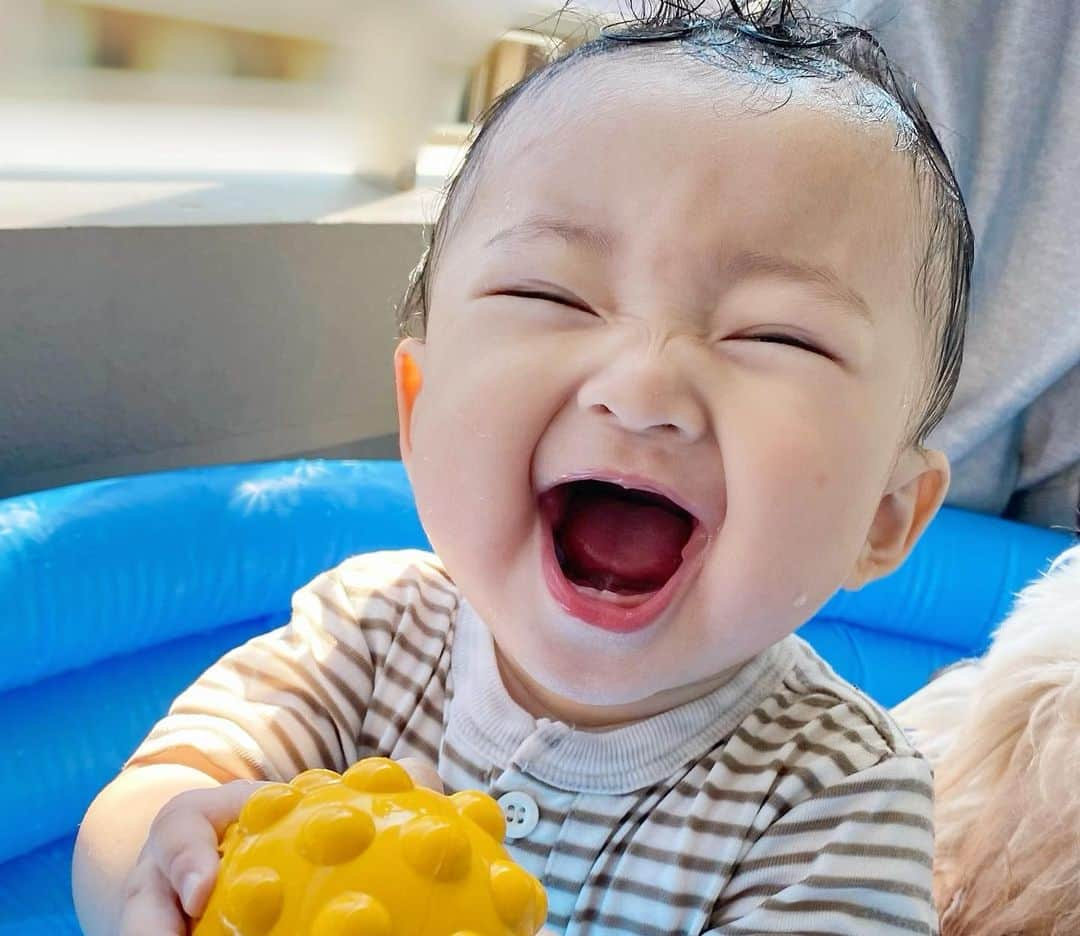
pixel 178 865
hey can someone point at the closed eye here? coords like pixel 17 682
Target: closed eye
pixel 545 296
pixel 792 340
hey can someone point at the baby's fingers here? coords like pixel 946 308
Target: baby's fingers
pixel 422 773
pixel 184 839
pixel 150 905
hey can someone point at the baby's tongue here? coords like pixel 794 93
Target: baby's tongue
pixel 619 542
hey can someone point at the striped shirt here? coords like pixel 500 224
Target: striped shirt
pixel 783 802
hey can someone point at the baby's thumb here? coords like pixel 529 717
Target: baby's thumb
pixel 422 773
pixel 192 870
pixel 192 876
pixel 194 890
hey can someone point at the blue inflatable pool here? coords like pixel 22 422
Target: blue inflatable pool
pixel 118 593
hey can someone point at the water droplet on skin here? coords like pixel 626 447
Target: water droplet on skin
pixel 800 601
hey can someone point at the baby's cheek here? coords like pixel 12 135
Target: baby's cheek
pixel 516 391
pixel 801 503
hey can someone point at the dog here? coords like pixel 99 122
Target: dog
pixel 1003 735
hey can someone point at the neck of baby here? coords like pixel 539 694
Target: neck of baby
pixel 541 702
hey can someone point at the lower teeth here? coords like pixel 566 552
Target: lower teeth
pixel 603 584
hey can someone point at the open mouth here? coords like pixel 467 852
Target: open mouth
pixel 616 553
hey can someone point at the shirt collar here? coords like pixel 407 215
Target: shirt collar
pixel 615 761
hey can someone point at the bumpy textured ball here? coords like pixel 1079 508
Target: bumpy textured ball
pixel 368 853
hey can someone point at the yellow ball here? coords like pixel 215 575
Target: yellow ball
pixel 368 853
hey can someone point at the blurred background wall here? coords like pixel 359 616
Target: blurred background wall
pixel 209 209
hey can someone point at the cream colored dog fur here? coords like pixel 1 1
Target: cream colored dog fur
pixel 1003 733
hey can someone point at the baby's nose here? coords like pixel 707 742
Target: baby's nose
pixel 648 398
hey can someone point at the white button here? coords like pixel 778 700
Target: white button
pixel 521 813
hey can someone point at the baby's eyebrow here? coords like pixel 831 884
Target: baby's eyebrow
pixel 822 279
pixel 743 265
pixel 548 226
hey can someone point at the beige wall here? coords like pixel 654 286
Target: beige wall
pixel 134 348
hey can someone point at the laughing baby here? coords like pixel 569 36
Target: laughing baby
pixel 692 305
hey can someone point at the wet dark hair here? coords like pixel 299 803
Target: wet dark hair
pixel 772 43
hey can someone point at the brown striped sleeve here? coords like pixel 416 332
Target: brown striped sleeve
pixel 297 697
pixel 854 858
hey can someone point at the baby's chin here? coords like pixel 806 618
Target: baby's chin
pixel 596 669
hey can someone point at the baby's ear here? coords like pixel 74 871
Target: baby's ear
pixel 408 380
pixel 911 499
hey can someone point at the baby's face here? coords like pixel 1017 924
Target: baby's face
pixel 671 355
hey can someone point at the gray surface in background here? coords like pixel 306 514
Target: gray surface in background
pixel 378 447
pixel 42 199
pixel 136 349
